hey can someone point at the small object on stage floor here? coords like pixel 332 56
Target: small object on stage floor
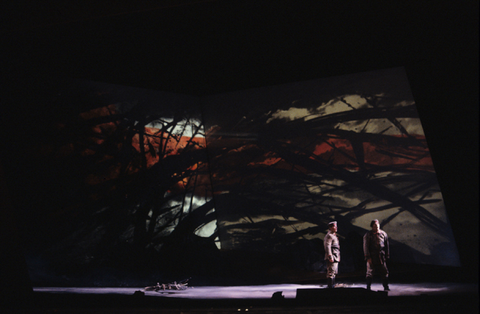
pixel 182 285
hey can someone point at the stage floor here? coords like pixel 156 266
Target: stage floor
pixel 288 291
pixel 411 298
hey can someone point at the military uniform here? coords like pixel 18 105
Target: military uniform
pixel 376 248
pixel 332 251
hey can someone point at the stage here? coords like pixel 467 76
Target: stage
pixel 276 298
pixel 288 291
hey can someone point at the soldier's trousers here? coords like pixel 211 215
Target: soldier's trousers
pixel 332 269
pixel 378 265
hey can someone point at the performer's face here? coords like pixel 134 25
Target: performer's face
pixel 333 228
pixel 375 226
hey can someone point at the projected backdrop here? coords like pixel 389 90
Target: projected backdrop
pixel 145 185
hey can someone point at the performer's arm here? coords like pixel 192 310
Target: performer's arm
pixel 328 248
pixel 366 251
pixel 387 246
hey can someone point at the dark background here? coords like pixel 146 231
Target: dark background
pixel 209 47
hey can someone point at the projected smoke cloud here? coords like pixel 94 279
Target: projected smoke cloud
pixel 148 185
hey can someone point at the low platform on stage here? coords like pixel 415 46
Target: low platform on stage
pixel 338 295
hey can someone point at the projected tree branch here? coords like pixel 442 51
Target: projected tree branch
pixel 290 177
pixel 145 182
pixel 234 185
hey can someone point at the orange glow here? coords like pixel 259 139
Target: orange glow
pixel 340 152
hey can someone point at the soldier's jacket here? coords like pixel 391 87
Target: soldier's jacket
pixel 332 247
pixel 376 243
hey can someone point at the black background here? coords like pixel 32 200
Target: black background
pixel 209 47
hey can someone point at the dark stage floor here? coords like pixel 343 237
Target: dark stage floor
pixel 278 298
pixel 288 291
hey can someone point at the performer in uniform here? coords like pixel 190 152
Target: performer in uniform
pixel 332 253
pixel 376 251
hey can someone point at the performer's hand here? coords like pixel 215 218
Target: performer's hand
pixel 331 259
pixel 369 261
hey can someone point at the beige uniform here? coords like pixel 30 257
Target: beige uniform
pixel 332 251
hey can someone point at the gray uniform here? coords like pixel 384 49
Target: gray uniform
pixel 376 247
pixel 332 250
